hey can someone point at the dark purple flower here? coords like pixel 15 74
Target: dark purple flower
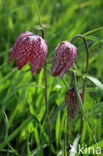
pixel 71 102
pixel 64 56
pixel 29 48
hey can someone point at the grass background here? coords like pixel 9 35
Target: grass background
pixel 23 129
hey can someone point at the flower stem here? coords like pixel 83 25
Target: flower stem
pixel 46 98
pixel 86 72
pixel 42 31
pixel 68 140
pixel 47 108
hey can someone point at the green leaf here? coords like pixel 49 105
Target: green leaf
pixel 96 82
pixel 6 125
pixel 100 144
pixel 96 147
pixel 82 108
pixel 54 116
pixel 58 129
pixel 79 98
pixel 92 31
pixel 11 136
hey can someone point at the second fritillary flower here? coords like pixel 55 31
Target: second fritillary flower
pixel 64 56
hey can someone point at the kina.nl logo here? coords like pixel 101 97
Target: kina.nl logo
pixel 85 150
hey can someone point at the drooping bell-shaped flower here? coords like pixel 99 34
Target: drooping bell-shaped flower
pixel 64 56
pixel 72 103
pixel 29 48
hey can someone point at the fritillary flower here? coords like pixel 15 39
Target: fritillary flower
pixel 29 48
pixel 72 103
pixel 64 56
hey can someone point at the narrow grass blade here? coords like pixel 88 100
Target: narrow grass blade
pixel 6 125
pixel 79 98
pixel 82 109
pixel 11 136
pixel 37 9
pixel 92 31
pixel 58 129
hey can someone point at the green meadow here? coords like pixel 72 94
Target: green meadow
pixel 23 117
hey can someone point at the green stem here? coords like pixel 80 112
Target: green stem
pixel 42 31
pixel 46 98
pixel 47 108
pixel 45 77
pixel 68 140
pixel 87 63
pixel 68 122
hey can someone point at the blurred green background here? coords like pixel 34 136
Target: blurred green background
pixel 22 94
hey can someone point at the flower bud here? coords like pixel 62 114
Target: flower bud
pixel 72 103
